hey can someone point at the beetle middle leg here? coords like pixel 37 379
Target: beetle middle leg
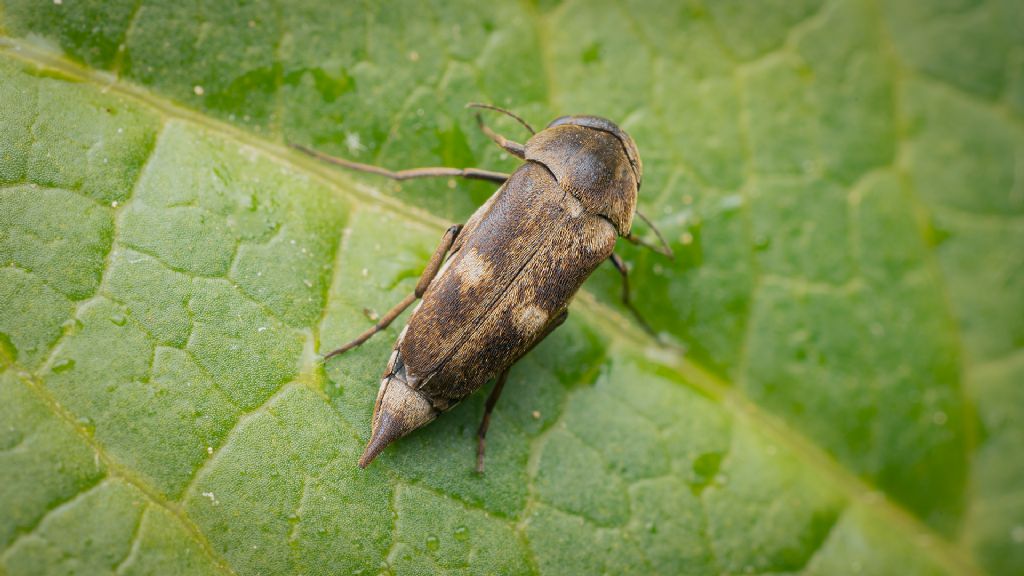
pixel 492 399
pixel 620 265
pixel 409 174
pixel 425 279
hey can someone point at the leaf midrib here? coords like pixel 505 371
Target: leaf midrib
pixel 620 330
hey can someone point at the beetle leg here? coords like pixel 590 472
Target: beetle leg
pixel 664 249
pixel 481 432
pixel 514 148
pixel 620 265
pixel 492 399
pixel 433 172
pixel 425 279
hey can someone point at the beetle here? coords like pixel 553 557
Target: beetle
pixel 498 285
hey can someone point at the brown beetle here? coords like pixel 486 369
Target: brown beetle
pixel 510 272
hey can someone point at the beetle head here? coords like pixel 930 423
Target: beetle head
pixel 594 160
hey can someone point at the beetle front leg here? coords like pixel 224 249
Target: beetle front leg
pixel 421 287
pixel 620 265
pixel 492 399
pixel 514 148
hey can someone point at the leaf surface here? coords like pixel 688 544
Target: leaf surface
pixel 841 182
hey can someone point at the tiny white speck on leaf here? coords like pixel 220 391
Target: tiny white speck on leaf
pixel 113 204
pixel 58 2
pixel 414 56
pixel 1017 534
pixel 209 450
pixel 198 90
pixel 354 143
pixel 731 202
pixel 307 283
pixel 213 499
pixel 261 329
pixel 536 414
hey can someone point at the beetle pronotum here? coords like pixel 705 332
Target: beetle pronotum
pixel 501 283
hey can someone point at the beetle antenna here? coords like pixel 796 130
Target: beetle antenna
pixel 503 111
pixel 665 249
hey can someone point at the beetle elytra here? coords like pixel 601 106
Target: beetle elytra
pixel 501 283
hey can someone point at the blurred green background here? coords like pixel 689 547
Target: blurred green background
pixel 841 389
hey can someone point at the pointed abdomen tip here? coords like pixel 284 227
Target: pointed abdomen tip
pixel 400 411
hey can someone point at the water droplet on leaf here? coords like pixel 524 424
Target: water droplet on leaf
pixel 63 365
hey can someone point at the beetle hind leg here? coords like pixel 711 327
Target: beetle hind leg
pixel 485 423
pixel 492 399
pixel 421 287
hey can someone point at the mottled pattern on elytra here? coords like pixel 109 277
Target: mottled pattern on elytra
pixel 521 258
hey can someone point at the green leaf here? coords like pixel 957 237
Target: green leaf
pixel 841 182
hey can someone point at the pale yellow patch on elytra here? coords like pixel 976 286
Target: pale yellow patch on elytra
pixel 573 206
pixel 473 269
pixel 530 319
